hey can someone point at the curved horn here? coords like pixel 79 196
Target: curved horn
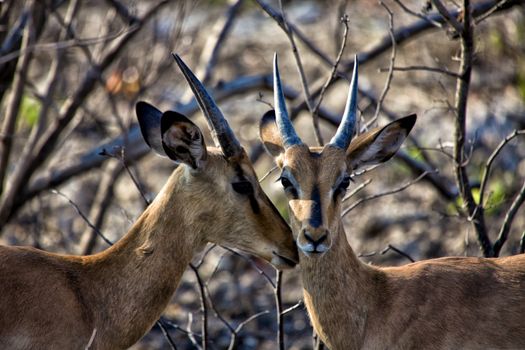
pixel 222 134
pixel 345 131
pixel 282 120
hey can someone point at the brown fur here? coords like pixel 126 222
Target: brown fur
pixel 448 303
pixel 51 301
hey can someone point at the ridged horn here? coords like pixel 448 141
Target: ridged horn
pixel 345 131
pixel 284 124
pixel 222 134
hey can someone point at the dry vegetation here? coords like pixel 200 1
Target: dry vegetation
pixel 72 162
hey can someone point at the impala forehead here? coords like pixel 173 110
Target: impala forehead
pixel 313 168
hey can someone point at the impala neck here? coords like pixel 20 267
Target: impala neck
pixel 136 277
pixel 334 287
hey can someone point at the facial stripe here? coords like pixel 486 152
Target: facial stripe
pixel 316 214
pixel 254 204
pixel 253 201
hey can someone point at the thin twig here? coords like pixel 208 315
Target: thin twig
pixel 397 250
pixel 215 43
pixel 99 207
pixel 382 194
pixel 204 308
pixel 357 189
pixel 268 173
pixel 15 99
pixel 278 310
pixel 315 112
pixel 449 18
pixel 422 68
pixel 120 155
pixel 233 339
pixel 522 243
pixel 180 329
pixel 392 61
pixel 507 222
pixel 302 75
pixel 490 161
pixel 299 304
pixel 487 14
pixel 166 334
pixel 418 15
pixel 83 216
pixel 261 272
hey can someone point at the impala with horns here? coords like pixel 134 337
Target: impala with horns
pixel 447 303
pixel 111 299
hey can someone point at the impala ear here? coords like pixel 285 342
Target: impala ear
pixel 378 145
pixel 269 134
pixel 171 135
pixel 182 140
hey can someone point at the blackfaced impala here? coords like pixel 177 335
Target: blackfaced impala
pixel 111 299
pixel 447 303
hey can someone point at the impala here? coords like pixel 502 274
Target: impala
pixel 447 303
pixel 111 299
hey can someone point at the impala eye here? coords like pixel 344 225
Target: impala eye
pixel 243 187
pixel 288 186
pixel 285 182
pixel 343 185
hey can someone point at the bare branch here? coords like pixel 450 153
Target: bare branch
pixel 233 339
pixel 268 174
pixel 83 216
pixel 204 307
pixel 382 194
pixel 490 161
pixel 475 212
pixel 392 62
pixel 302 75
pixel 357 190
pixel 422 68
pixel 418 15
pixel 507 222
pixel 166 334
pixel 15 98
pixel 299 304
pixel 315 112
pixel 500 5
pixel 278 310
pixel 450 18
pixel 34 157
pixel 398 251
pixel 99 207
pixel 214 43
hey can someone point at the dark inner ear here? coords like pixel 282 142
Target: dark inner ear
pixel 269 134
pixel 182 140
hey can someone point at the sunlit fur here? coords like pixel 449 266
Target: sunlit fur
pixel 447 303
pixel 51 301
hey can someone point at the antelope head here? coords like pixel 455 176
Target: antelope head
pixel 226 196
pixel 315 179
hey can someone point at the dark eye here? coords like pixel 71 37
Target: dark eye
pixel 286 183
pixel 243 187
pixel 343 185
pixel 288 187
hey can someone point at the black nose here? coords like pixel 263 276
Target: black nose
pixel 315 242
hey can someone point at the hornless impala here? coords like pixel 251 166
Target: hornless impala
pixel 447 303
pixel 51 301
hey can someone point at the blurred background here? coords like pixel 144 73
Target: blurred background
pixel 72 159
